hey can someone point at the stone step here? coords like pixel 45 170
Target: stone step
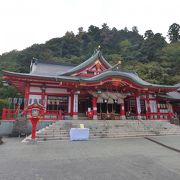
pixel 108 129
pixel 98 134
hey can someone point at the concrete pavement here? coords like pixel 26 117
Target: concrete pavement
pixel 171 141
pixel 104 159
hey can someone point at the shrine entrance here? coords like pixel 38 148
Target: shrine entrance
pixel 83 104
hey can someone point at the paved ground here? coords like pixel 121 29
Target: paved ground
pixel 171 141
pixel 118 159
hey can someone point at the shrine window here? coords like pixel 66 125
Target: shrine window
pixel 162 106
pixel 58 103
pixel 143 106
pixel 90 72
pixel 130 105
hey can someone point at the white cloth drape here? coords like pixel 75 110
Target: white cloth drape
pixel 138 105
pixel 153 106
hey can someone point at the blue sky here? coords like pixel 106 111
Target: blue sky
pixel 25 22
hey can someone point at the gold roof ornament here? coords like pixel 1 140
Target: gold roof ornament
pixel 119 62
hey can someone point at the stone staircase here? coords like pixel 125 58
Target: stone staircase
pixel 108 129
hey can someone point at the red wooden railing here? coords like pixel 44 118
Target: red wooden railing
pixel 159 116
pixel 11 114
pixel 53 115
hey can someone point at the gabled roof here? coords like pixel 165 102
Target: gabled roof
pixel 43 71
pixel 39 67
pixel 104 75
pixel 126 75
pixel 171 95
pixel 87 63
pixel 178 85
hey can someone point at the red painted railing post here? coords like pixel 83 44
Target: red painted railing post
pixel 9 114
pixel 122 111
pixel 60 115
pixel 94 105
pixel 4 114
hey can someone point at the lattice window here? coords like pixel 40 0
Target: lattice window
pixel 58 103
pixel 143 106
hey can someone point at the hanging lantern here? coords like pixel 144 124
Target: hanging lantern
pixel 113 95
pixel 104 96
pixel 53 102
pixel 120 101
pixel 110 101
pixel 57 102
pixel 100 100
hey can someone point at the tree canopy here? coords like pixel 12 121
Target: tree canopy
pixel 142 53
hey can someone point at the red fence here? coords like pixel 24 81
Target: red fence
pixel 11 114
pixel 159 116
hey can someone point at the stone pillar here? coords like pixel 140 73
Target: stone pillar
pixel 75 106
pixel 94 105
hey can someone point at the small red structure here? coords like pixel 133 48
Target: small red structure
pixel 90 114
pixel 35 113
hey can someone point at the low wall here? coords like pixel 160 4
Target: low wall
pixel 6 127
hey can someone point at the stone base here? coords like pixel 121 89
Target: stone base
pixel 95 117
pixel 122 117
pixel 75 117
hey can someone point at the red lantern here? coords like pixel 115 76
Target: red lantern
pixel 35 112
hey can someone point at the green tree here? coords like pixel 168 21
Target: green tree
pixel 174 32
pixel 124 47
pixel 151 46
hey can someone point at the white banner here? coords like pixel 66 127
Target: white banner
pixel 75 107
pixel 138 105
pixel 153 106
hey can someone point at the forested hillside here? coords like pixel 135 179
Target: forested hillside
pixel 150 55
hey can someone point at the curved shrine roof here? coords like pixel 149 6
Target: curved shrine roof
pixel 91 60
pixel 39 67
pixel 59 72
pixel 117 74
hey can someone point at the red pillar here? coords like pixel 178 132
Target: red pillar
pixel 4 114
pixel 157 106
pixel 148 109
pixel 43 97
pixel 26 96
pixel 34 122
pixel 122 111
pixel 72 103
pixel 94 104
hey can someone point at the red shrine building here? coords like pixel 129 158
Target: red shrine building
pixel 91 90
